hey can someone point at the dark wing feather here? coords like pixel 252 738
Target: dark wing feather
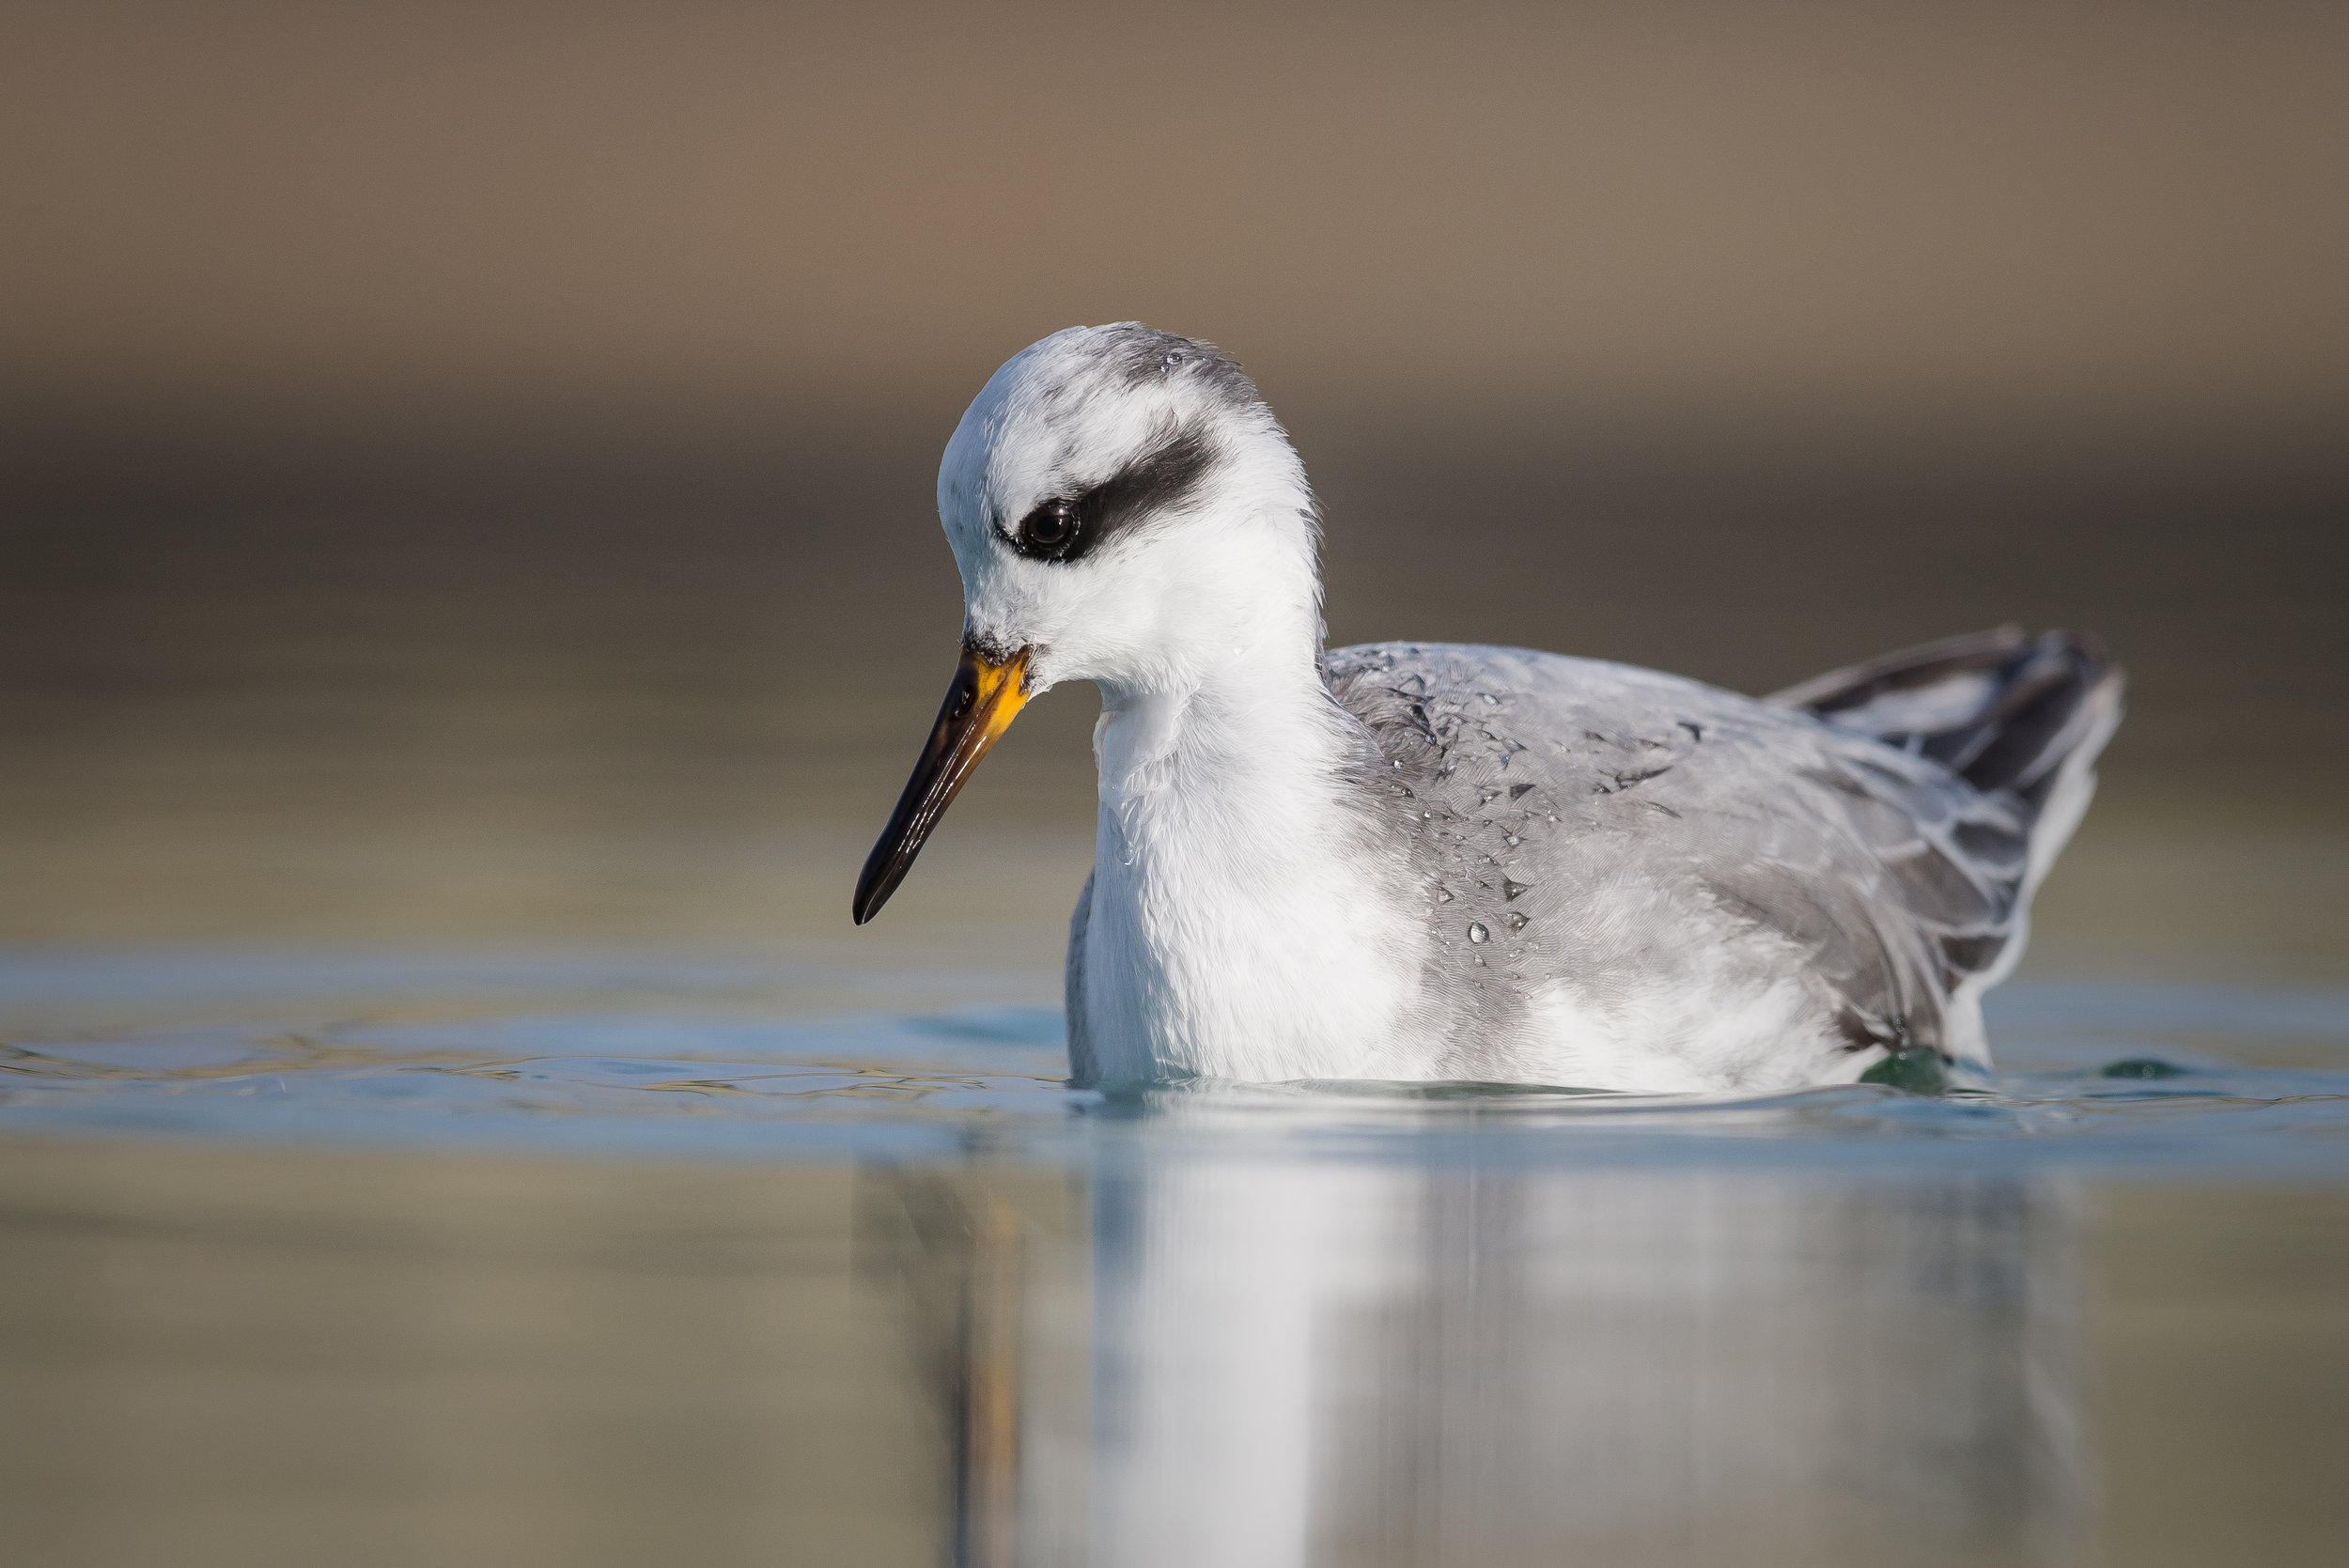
pixel 2000 709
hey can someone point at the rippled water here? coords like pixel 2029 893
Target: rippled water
pixel 2240 1079
pixel 717 1262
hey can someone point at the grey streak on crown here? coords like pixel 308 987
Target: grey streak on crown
pixel 1166 474
pixel 1141 354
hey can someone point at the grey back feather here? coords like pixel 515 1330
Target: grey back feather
pixel 1574 819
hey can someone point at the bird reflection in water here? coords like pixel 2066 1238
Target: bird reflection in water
pixel 1290 1361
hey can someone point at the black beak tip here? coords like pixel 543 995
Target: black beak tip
pixel 873 887
pixel 968 723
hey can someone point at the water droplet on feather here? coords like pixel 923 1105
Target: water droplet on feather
pixel 1477 932
pixel 1513 890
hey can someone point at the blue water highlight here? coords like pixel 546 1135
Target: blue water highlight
pixel 588 1055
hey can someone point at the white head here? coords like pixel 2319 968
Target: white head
pixel 1125 510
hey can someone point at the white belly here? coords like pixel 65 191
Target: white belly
pixel 1204 966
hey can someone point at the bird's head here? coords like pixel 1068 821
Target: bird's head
pixel 1125 510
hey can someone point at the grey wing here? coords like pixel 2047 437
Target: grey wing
pixel 1636 816
pixel 1080 1067
pixel 1899 880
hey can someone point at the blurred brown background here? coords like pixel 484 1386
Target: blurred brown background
pixel 465 470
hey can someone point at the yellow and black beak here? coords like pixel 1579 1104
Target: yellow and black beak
pixel 980 706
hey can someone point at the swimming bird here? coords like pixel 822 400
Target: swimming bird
pixel 1438 861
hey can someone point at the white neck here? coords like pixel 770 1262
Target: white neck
pixel 1238 923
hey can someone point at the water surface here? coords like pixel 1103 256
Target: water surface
pixel 578 1258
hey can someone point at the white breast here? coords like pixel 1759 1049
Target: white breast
pixel 1236 930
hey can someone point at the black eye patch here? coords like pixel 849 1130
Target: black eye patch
pixel 1070 528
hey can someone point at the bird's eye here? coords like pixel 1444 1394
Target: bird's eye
pixel 1050 530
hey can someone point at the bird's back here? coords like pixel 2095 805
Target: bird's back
pixel 1630 879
